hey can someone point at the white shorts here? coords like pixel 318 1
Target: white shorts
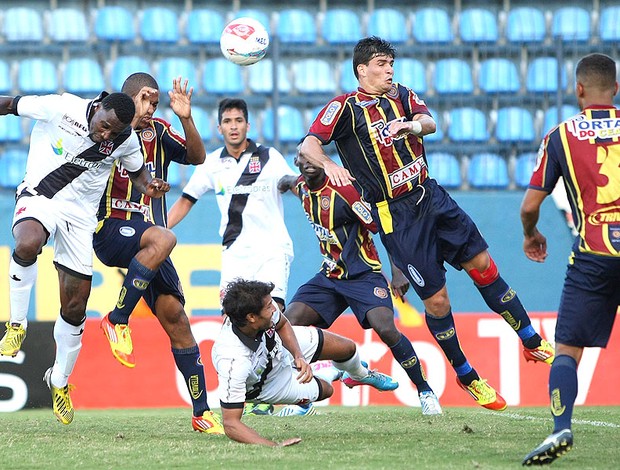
pixel 259 266
pixel 281 386
pixel 71 230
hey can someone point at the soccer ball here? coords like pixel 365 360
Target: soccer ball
pixel 244 41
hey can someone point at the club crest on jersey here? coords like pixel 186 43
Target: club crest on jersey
pixel 330 113
pixel 254 165
pixel 325 202
pixel 380 292
pixel 106 147
pixel 393 92
pixel 147 135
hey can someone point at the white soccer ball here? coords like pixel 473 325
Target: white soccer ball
pixel 244 41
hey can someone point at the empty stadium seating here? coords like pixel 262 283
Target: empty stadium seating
pixel 389 24
pixel 526 25
pixel 114 24
pixel 314 76
pixel 542 75
pixel 467 125
pixel 68 25
pixel 499 75
pixel 445 168
pixel 524 167
pixel 488 171
pixel 571 24
pixel 173 67
pixel 23 24
pixel 204 26
pixel 260 78
pixel 432 26
pixel 124 66
pixel 478 25
pixel 341 26
pixel 159 25
pixel 412 73
pixel 6 83
pixel 37 76
pixel 609 24
pixel 83 76
pixel 220 76
pixel 291 124
pixel 453 76
pixel 12 167
pixel 514 124
pixel 296 26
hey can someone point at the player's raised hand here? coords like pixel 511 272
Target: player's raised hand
pixel 181 98
pixel 142 101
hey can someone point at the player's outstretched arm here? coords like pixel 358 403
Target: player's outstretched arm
pixel 289 341
pixel 7 105
pixel 179 210
pixel 312 149
pixel 287 183
pixel 236 430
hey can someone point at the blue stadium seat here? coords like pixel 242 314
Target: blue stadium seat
pixel 348 82
pixel 314 76
pixel 83 76
pixel 524 167
pixel 68 25
pixel 438 135
pixel 488 171
pixel 12 167
pixel 23 24
pixel 341 26
pixel 498 75
pixel 11 128
pixel 6 84
pixel 37 76
pixel 478 25
pixel 259 15
pixel 526 24
pixel 114 23
pixel 411 73
pixel 204 26
pixel 220 76
pixel 389 24
pixel 550 119
pixel 124 66
pixel 290 122
pixel 173 67
pixel 542 75
pixel 159 24
pixel 609 24
pixel 432 25
pixel 445 168
pixel 260 78
pixel 514 124
pixel 296 26
pixel 467 125
pixel 571 24
pixel 203 123
pixel 453 76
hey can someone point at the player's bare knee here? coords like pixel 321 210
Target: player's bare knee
pixel 486 275
pixel 326 390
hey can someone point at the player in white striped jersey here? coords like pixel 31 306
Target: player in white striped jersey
pixel 73 146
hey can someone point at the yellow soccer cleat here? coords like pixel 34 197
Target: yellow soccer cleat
pixel 119 337
pixel 209 423
pixel 543 353
pixel 61 400
pixel 11 342
pixel 484 394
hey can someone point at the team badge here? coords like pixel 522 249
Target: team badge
pixel 147 135
pixel 380 292
pixel 106 147
pixel 330 113
pixel 325 202
pixel 127 231
pixel 393 93
pixel 254 166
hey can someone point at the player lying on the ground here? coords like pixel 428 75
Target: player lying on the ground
pixel 260 357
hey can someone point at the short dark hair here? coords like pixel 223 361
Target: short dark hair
pixel 232 103
pixel 136 81
pixel 243 297
pixel 368 48
pixel 122 104
pixel 597 70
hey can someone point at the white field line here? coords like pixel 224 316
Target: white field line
pixel 517 416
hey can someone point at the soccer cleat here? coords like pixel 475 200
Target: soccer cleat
pixel 375 379
pixel 430 403
pixel 484 394
pixel 297 410
pixel 119 337
pixel 260 409
pixel 11 342
pixel 543 353
pixel 556 445
pixel 61 400
pixel 209 423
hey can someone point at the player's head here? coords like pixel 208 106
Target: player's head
pixel 595 80
pixel 132 86
pixel 111 117
pixel 373 59
pixel 232 121
pixel 243 298
pixel 313 174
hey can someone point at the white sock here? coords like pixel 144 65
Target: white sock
pixel 353 366
pixel 68 344
pixel 325 370
pixel 21 281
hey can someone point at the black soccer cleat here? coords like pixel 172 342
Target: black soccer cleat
pixel 556 445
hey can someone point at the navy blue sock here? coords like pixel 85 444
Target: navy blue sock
pixel 404 353
pixel 189 363
pixel 502 299
pixel 562 391
pixel 444 332
pixel 136 281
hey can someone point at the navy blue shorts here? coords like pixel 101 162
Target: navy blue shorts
pixel 330 297
pixel 118 241
pixel 590 299
pixel 428 229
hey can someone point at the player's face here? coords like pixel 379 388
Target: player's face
pixel 266 314
pixel 308 170
pixel 234 127
pixel 376 77
pixel 104 125
pixel 154 102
